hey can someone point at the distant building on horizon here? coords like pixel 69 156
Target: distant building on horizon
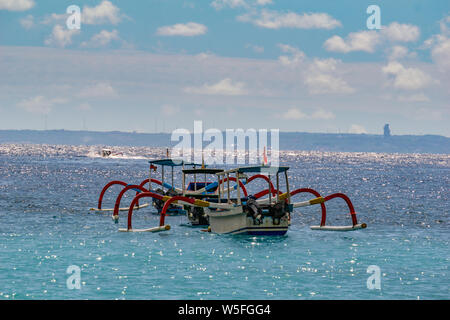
pixel 387 131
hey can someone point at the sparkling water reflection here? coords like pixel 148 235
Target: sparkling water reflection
pixel 45 227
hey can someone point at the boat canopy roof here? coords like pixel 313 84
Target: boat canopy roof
pixel 258 169
pixel 172 162
pixel 202 170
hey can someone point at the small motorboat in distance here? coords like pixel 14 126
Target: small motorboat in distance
pixel 106 153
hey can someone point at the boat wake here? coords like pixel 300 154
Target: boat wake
pixel 119 155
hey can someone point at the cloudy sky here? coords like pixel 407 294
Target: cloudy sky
pixel 157 65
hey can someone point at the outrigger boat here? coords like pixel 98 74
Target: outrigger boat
pixel 212 191
pixel 243 214
pixel 247 214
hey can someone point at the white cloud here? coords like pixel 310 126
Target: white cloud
pixel 440 45
pixel 355 41
pixel 105 12
pixel 101 39
pixel 297 114
pixel 275 20
pixel 441 53
pixel 325 83
pixel 203 56
pixel 368 40
pixel 324 65
pixel 16 5
pixel 27 22
pixel 99 90
pixel 223 87
pixel 323 115
pixel 40 104
pixel 220 4
pixel 255 48
pixel 357 129
pixel 296 55
pixel 321 78
pixel 293 114
pixel 398 32
pixel 406 78
pixel 61 36
pixel 187 30
pixel 444 25
pixel 319 75
pixel 55 18
pixel 399 52
pixel 263 2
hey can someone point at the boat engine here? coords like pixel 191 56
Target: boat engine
pixel 197 215
pixel 277 211
pixel 253 210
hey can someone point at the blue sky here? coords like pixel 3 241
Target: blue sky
pixel 150 66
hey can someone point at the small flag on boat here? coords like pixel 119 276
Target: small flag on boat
pixel 265 161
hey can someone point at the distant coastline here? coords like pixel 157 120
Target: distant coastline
pixel 288 140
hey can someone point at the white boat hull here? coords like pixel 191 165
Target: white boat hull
pixel 235 221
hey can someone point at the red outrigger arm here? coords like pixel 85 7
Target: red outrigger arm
pixel 317 194
pixel 264 192
pixel 244 190
pixel 115 182
pixel 159 197
pixel 327 198
pixel 349 204
pixel 167 204
pixel 119 197
pixel 261 176
pixel 108 185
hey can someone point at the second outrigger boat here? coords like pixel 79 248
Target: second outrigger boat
pixel 165 189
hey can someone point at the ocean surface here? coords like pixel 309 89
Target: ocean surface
pixel 46 227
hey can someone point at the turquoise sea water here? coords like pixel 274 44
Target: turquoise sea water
pixel 45 227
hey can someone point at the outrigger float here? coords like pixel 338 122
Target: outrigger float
pixel 210 203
